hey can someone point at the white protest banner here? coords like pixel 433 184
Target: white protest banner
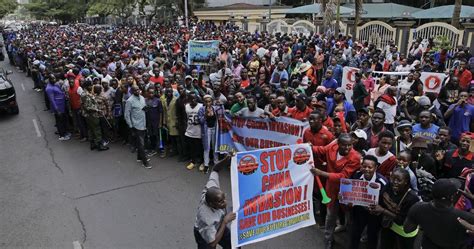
pixel 348 80
pixel 241 134
pixel 432 81
pixel 271 193
pixel 359 192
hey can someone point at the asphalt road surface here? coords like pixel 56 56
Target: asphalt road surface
pixel 59 194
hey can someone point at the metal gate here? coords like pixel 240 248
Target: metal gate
pixel 278 26
pixel 376 32
pixel 434 29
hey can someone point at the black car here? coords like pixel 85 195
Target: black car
pixel 7 94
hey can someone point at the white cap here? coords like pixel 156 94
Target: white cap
pixel 360 134
pixel 304 83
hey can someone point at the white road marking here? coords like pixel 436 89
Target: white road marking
pixel 77 245
pixel 38 133
pixel 22 87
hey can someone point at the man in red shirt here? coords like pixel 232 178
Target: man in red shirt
pixel 317 134
pixel 342 161
pixel 321 107
pixel 156 78
pixel 282 108
pixel 301 111
pixel 464 75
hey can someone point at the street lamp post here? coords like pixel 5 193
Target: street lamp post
pixel 186 12
pixel 269 10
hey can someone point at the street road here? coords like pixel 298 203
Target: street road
pixel 59 194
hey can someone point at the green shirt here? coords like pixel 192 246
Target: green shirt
pixel 237 107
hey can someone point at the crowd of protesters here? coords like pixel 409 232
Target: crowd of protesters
pixel 132 85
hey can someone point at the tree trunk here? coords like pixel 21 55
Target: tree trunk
pixel 358 11
pixel 323 7
pixel 456 13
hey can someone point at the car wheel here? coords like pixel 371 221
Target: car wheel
pixel 15 110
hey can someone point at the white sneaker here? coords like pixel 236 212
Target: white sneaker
pixel 65 138
pixel 201 167
pixel 340 228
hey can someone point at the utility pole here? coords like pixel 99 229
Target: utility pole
pixel 269 10
pixel 186 13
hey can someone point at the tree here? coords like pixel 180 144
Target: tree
pixel 358 11
pixel 123 8
pixel 62 10
pixel 323 7
pixel 7 7
pixel 329 7
pixel 456 13
pixel 161 8
pixel 102 8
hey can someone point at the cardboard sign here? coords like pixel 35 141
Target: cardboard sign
pixel 359 192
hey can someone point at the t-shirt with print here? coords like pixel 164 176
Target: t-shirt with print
pixel 193 129
pixel 246 113
pixel 427 133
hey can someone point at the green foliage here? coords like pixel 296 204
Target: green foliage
pixel 100 8
pixel 442 42
pixel 103 8
pixel 71 10
pixel 7 7
pixel 61 10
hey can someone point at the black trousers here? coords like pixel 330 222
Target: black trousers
pixel 61 123
pixel 138 137
pixel 202 244
pixel 318 206
pixel 391 240
pixel 361 219
pixel 195 149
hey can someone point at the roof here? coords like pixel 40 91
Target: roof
pixel 241 6
pixel 384 10
pixel 444 12
pixel 315 9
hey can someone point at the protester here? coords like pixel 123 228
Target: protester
pixel 210 228
pixel 385 158
pixel 361 216
pixel 395 204
pixel 460 116
pixel 342 161
pixel 438 219
pixel 136 120
pixel 57 100
pixel 194 133
pixel 114 83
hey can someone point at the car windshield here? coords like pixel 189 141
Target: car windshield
pixel 4 84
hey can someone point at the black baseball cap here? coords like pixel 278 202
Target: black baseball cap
pixel 445 188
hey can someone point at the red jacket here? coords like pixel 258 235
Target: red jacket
pixel 321 138
pixel 464 78
pixel 300 115
pixel 74 97
pixel 343 168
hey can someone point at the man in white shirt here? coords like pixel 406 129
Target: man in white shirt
pixel 388 103
pixel 385 158
pixel 403 67
pixel 193 132
pixel 251 111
